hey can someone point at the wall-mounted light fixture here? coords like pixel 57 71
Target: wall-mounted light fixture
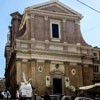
pixel 57 66
pixel 47 81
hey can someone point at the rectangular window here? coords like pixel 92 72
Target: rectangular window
pixel 96 68
pixel 55 30
pixel 96 55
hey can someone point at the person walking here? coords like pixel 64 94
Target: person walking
pixel 1 96
pixel 17 95
pixel 8 94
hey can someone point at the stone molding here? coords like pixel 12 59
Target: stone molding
pixel 57 3
pixel 52 14
pixel 75 48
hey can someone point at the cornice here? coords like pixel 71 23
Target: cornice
pixel 58 3
pixel 47 52
pixel 54 14
pixel 43 51
pixel 61 44
pixel 53 55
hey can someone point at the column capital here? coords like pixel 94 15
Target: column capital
pixel 18 59
pixel 27 17
pixel 46 17
pixel 32 16
pixel 77 22
pixel 66 62
pixel 47 61
pixel 24 60
pixel 30 60
pixel 64 20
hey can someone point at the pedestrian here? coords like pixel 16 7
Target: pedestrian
pixel 35 96
pixel 1 96
pixel 8 94
pixel 46 96
pixel 17 95
pixel 42 97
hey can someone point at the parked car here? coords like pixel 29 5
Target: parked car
pixel 66 97
pixel 55 97
pixel 83 98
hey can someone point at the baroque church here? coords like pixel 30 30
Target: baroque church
pixel 45 43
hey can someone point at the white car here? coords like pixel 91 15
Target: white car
pixel 83 98
pixel 54 97
pixel 66 98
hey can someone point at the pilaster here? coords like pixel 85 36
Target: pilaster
pixel 33 72
pixel 64 29
pixel 46 27
pixel 66 64
pixel 27 20
pixel 18 70
pixel 77 30
pixel 32 27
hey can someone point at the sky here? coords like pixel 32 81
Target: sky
pixel 90 24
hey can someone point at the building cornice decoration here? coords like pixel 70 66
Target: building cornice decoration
pixel 56 53
pixel 54 14
pixel 56 2
pixel 48 42
pixel 46 52
pixel 57 72
pixel 49 56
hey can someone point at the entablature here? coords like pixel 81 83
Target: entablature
pixel 44 46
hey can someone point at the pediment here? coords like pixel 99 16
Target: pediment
pixel 56 6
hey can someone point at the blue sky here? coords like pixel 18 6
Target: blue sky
pixel 90 24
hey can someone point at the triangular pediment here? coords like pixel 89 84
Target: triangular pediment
pixel 56 6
